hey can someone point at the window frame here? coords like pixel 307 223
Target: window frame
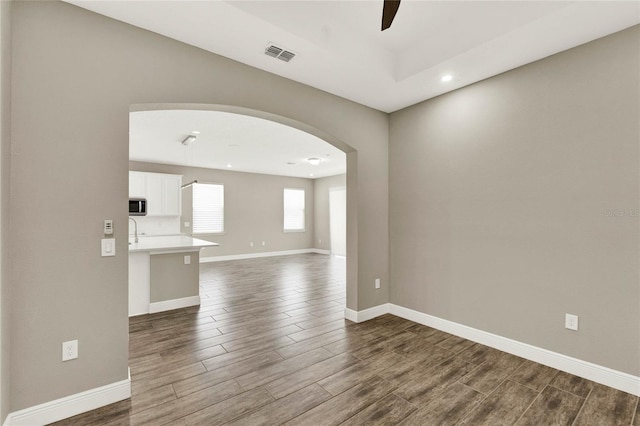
pixel 193 219
pixel 304 210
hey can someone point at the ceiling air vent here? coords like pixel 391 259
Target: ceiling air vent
pixel 279 53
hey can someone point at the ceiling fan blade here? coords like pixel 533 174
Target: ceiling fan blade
pixel 389 11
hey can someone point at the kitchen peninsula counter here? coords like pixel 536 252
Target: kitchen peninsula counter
pixel 164 273
pixel 168 244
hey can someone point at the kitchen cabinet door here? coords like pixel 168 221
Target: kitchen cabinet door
pixel 162 191
pixel 155 194
pixel 171 190
pixel 137 185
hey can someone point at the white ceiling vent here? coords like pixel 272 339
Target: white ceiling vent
pixel 279 53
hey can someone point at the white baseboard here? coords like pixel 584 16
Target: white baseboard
pixel 168 305
pixel 71 405
pixel 367 314
pixel 261 254
pixel 597 373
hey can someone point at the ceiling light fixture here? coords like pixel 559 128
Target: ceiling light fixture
pixel 229 166
pixel 446 78
pixel 195 132
pixel 188 139
pixel 314 161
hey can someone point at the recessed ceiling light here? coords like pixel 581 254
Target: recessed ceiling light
pixel 195 132
pixel 311 174
pixel 229 166
pixel 447 77
pixel 314 161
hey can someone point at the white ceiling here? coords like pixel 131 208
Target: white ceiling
pixel 247 144
pixel 340 48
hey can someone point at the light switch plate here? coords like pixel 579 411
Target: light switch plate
pixel 108 247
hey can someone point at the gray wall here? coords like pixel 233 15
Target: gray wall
pixel 498 202
pixel 76 74
pixel 5 145
pixel 253 209
pixel 171 278
pixel 321 211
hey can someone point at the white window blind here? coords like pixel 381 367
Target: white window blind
pixel 293 209
pixel 208 208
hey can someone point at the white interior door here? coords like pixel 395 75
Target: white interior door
pixel 338 221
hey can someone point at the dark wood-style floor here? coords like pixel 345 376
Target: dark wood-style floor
pixel 269 345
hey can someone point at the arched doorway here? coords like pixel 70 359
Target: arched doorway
pixel 351 172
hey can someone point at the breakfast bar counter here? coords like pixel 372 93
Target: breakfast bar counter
pixel 164 273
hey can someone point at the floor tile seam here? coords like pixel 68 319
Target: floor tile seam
pixel 569 392
pixel 145 375
pixel 312 337
pixel 485 397
pixel 283 375
pixel 539 395
pixel 584 403
pixel 635 410
pixel 260 330
pixel 174 391
pixel 245 359
pixel 218 402
pixel 146 387
pixel 417 407
pixel 250 346
pixel 311 365
pixel 528 386
pixel 314 319
pixel 178 398
pixel 392 391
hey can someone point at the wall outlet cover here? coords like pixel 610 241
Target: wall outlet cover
pixel 69 350
pixel 571 322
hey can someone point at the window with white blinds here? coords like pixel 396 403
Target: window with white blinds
pixel 208 208
pixel 293 209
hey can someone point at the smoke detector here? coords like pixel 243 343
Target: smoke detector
pixel 279 53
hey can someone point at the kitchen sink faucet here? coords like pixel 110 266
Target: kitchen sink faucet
pixel 136 230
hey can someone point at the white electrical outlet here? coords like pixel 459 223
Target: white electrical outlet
pixel 187 224
pixel 264 243
pixel 69 350
pixel 251 244
pixel 377 282
pixel 571 322
pixel 319 241
pixel 187 260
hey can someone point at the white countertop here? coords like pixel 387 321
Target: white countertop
pixel 168 243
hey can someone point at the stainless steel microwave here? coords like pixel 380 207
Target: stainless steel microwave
pixel 137 207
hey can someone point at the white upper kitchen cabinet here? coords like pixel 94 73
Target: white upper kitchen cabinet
pixel 137 185
pixel 161 190
pixel 171 193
